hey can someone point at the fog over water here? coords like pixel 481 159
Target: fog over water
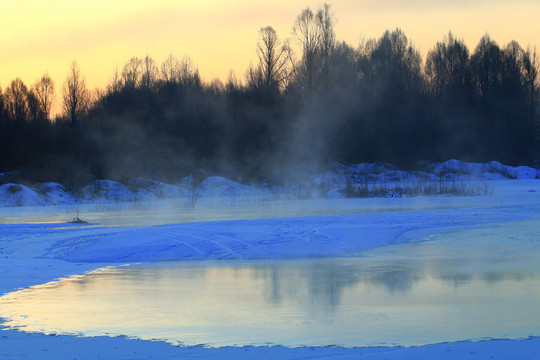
pixel 110 213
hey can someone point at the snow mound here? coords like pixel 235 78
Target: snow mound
pixel 525 172
pixel 12 195
pixel 107 190
pixel 55 194
pixel 193 190
pixel 218 186
pixel 379 172
pixel 493 170
pixel 157 189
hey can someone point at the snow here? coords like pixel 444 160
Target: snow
pixel 32 254
pixel 19 195
pixel 493 170
pixel 216 190
pixel 55 194
pixel 36 346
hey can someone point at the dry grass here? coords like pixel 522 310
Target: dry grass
pixel 419 188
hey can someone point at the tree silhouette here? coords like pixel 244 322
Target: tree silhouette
pixel 392 62
pixel 16 101
pixel 43 90
pixel 326 23
pixel 334 102
pixel 35 111
pixel 115 84
pixel 170 69
pixel 447 69
pixel 150 73
pixel 187 73
pixel 307 34
pixel 487 66
pixel 132 73
pixel 273 71
pixel 75 95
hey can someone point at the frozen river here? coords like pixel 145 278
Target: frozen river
pixel 355 272
pixel 111 213
pixel 467 284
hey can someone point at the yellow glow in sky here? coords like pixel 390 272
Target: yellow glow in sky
pixel 46 36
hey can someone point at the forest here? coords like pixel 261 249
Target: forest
pixel 306 103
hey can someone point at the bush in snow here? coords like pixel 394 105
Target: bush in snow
pixel 13 188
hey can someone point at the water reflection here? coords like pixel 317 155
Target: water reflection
pixel 375 300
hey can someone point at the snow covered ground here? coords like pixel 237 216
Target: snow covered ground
pixel 215 190
pixel 233 221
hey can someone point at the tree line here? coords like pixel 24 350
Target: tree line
pixel 327 101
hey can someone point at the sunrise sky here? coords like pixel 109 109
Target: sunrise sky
pixel 46 36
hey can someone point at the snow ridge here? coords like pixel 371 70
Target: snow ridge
pixel 327 185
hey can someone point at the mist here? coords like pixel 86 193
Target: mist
pixel 291 114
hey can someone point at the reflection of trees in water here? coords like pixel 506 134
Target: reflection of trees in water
pixel 456 279
pixel 445 271
pixel 281 280
pixel 400 280
pixel 325 280
pixel 493 277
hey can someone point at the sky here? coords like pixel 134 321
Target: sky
pixel 38 37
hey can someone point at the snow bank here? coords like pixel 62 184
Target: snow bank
pixel 107 190
pixel 377 172
pixel 493 170
pixel 17 345
pixel 218 190
pixel 12 195
pixel 55 194
pixel 158 189
pixel 218 186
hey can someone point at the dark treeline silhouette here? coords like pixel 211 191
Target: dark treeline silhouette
pixel 329 102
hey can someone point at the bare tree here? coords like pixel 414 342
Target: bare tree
pixel 115 85
pixel 43 90
pixel 326 23
pixel 487 64
pixel 233 85
pixel 75 95
pixel 16 100
pixel 531 69
pixel 131 74
pixel 447 68
pixel 150 73
pixel 187 73
pixel 273 70
pixel 393 61
pixel 315 34
pixel 35 112
pixel 2 105
pixel 170 69
pixel 308 36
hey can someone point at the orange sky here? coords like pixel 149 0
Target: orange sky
pixel 46 36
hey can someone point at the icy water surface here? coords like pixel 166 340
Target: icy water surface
pixel 169 211
pixel 446 288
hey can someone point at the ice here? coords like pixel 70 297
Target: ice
pixel 452 286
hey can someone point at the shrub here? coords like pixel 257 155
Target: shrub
pixel 14 189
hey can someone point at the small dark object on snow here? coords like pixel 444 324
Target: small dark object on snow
pixel 77 220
